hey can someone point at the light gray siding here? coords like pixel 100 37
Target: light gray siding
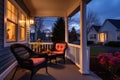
pixel 110 29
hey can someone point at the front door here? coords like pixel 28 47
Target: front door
pixel 102 37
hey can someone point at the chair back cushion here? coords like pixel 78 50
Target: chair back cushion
pixel 60 47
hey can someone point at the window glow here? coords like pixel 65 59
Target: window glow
pixel 102 37
pixel 12 14
pixel 22 22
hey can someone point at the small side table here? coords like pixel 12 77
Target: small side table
pixel 50 55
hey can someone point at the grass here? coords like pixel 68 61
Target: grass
pixel 96 51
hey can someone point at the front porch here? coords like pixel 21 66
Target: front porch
pixel 19 33
pixel 60 71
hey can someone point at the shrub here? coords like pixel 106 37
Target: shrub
pixel 113 44
pixel 110 61
pixel 90 42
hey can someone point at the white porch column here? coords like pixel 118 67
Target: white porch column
pixel 84 62
pixel 66 29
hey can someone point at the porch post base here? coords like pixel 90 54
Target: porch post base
pixel 84 72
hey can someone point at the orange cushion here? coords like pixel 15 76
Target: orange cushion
pixel 37 61
pixel 57 52
pixel 60 46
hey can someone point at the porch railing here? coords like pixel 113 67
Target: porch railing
pixel 39 46
pixel 73 53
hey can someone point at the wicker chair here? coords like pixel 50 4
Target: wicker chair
pixel 59 49
pixel 28 59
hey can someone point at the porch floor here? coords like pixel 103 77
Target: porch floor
pixel 59 71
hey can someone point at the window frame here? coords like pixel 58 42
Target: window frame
pixel 118 35
pixel 22 26
pixel 12 19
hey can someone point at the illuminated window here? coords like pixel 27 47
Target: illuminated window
pixel 11 27
pixel 118 35
pixel 22 26
pixel 12 13
pixel 11 30
pixel 93 36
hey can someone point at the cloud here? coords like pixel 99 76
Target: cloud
pixel 105 8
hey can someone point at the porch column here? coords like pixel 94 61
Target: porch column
pixel 84 55
pixel 66 29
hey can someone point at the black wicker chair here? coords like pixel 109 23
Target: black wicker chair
pixel 28 59
pixel 59 50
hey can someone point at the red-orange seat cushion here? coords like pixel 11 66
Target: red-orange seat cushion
pixel 57 52
pixel 37 61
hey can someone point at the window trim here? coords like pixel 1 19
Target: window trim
pixel 11 21
pixel 20 26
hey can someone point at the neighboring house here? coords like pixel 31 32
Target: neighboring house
pixel 110 31
pixel 93 33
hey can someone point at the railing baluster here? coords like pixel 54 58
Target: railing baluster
pixel 38 46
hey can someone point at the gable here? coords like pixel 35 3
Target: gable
pixel 92 30
pixel 108 26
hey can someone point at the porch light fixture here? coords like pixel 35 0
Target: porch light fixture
pixel 32 21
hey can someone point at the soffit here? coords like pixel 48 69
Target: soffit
pixel 49 7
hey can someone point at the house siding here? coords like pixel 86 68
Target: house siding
pixel 6 57
pixel 110 29
pixel 1 24
pixel 92 31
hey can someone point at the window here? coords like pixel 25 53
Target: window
pixel 22 27
pixel 10 31
pixel 11 27
pixel 92 36
pixel 118 35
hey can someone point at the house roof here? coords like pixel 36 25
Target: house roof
pixel 115 22
pixel 97 28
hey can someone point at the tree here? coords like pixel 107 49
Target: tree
pixel 58 30
pixel 91 19
pixel 72 35
pixel 38 27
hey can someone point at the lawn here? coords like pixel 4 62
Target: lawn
pixel 95 51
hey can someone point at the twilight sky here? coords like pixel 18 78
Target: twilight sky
pixel 105 9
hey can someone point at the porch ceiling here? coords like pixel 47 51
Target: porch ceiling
pixel 58 8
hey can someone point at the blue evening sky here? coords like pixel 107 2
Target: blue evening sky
pixel 105 9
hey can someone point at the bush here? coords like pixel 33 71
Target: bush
pixel 90 42
pixel 113 44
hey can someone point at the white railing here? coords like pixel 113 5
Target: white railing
pixel 39 46
pixel 73 53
